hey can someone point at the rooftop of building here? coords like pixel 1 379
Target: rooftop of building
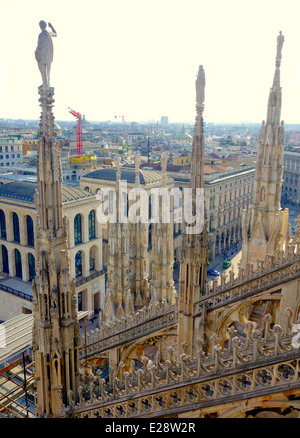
pixel 18 335
pixel 24 191
pixel 127 173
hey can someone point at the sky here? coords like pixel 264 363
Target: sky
pixel 139 59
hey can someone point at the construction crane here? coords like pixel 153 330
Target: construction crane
pixel 123 127
pixel 78 130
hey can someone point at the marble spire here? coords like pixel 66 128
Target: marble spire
pixel 55 330
pixel 264 227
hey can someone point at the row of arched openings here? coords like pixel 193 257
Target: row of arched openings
pixel 78 227
pixel 16 228
pixel 18 263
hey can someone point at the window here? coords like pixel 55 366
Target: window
pixel 2 225
pixel 78 264
pixel 18 263
pixel 92 263
pixel 31 266
pixel 77 229
pixel 92 228
pixel 79 301
pixel 5 267
pixel 16 227
pixel 150 236
pixel 30 233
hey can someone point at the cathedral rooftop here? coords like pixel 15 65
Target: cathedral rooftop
pixel 24 191
pixel 128 174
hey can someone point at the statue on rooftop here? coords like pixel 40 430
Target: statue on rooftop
pixel 44 52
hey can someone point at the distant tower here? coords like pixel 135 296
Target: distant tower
pixel 265 227
pixel 55 331
pixel 164 122
pixel 194 254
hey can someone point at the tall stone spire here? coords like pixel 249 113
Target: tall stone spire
pixel 194 255
pixel 264 229
pixel 162 284
pixel 138 251
pixel 119 298
pixel 55 331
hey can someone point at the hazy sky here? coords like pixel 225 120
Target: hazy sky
pixel 140 58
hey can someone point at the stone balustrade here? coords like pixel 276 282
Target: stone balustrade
pixel 263 363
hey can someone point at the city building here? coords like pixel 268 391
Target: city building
pixel 18 217
pixel 291 180
pixel 181 160
pixel 164 121
pixel 10 151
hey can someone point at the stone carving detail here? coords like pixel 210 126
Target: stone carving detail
pixel 262 362
pixel 146 320
pixel 274 269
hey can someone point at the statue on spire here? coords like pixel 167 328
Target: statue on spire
pixel 200 85
pixel 44 52
pixel 280 41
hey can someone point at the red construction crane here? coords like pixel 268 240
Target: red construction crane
pixel 123 127
pixel 78 130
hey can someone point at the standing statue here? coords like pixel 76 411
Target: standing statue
pixel 44 51
pixel 280 40
pixel 200 84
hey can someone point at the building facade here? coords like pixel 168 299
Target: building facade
pixel 18 245
pixel 291 178
pixel 10 151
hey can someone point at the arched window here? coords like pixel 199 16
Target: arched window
pixel 18 263
pixel 92 227
pixel 2 225
pixel 30 233
pixel 5 266
pixel 78 264
pixel 16 227
pixel 77 229
pixel 31 266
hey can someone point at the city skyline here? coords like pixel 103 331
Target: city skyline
pixel 140 60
